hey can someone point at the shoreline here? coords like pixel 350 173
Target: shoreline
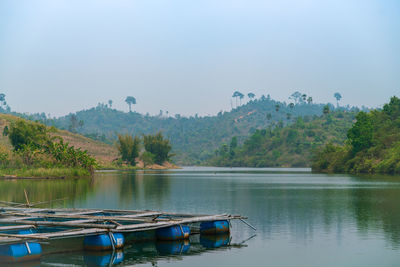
pixel 72 173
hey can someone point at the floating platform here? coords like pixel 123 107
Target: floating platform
pixel 100 230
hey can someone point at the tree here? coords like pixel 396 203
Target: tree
pixel 361 134
pixel 291 105
pixel 393 108
pixel 110 102
pixel 241 96
pixel 303 97
pixel 326 110
pixel 73 123
pixel 158 146
pixel 237 94
pixel 309 100
pixel 3 102
pixel 269 116
pixel 338 96
pixel 251 95
pixel 277 107
pixel 232 146
pixel 130 100
pixel 128 148
pixel 22 134
pixel 296 96
pixel 288 116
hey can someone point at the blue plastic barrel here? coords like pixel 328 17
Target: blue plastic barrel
pixel 104 241
pixel 175 232
pixel 214 227
pixel 21 252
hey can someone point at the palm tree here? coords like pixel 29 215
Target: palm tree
pixel 241 96
pixel 130 100
pixel 251 95
pixel 338 96
pixel 235 95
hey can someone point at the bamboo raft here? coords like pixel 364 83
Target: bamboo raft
pixel 85 222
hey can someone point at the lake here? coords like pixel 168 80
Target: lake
pixel 302 219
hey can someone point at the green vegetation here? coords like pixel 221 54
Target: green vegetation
pixel 290 146
pixel 157 149
pixel 52 172
pixel 35 152
pixel 372 146
pixel 194 139
pixel 128 148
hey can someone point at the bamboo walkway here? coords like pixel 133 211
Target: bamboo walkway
pixel 53 224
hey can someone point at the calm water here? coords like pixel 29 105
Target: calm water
pixel 302 219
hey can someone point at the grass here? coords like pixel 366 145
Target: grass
pixel 56 172
pixel 104 153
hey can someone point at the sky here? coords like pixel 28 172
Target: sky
pixel 188 57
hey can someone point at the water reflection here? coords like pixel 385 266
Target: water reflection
pixel 289 209
pixel 39 191
pixel 144 252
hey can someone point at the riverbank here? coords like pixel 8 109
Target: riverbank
pixel 65 173
pixel 43 173
pixel 140 166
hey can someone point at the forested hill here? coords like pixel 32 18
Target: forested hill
pixel 373 144
pixel 193 139
pixel 290 146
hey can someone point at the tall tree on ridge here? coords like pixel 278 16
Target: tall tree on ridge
pixel 241 96
pixel 338 96
pixel 296 96
pixel 236 94
pixel 251 95
pixel 130 100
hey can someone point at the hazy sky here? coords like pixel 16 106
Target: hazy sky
pixel 188 57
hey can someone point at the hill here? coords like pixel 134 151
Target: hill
pixel 104 153
pixel 372 145
pixel 194 139
pixel 285 146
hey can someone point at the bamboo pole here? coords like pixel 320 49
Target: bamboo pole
pixel 67 224
pixel 26 198
pixel 28 236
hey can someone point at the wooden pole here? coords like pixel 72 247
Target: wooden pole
pixel 26 198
